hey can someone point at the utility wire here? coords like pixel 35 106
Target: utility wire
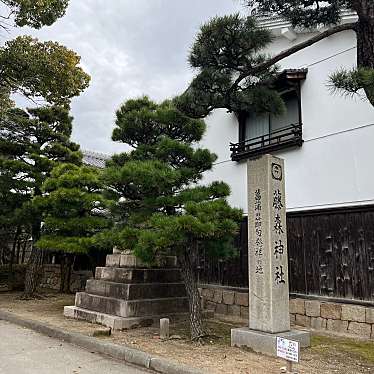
pixel 329 57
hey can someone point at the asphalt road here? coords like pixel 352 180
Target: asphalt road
pixel 23 351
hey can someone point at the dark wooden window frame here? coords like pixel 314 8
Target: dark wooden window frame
pixel 290 136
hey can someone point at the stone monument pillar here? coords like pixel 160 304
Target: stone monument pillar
pixel 268 261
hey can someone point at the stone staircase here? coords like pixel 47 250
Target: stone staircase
pixel 126 293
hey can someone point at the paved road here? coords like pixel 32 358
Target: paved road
pixel 23 351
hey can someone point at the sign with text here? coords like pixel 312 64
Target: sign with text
pixel 267 246
pixel 288 349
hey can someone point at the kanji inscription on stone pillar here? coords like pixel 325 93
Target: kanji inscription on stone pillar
pixel 267 246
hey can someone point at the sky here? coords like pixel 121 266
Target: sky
pixel 130 48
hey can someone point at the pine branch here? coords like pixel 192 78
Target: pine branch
pixel 288 52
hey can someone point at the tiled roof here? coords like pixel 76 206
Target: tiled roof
pixel 272 21
pixel 95 159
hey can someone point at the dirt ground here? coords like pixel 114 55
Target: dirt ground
pixel 328 354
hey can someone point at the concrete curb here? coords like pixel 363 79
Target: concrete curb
pixel 130 355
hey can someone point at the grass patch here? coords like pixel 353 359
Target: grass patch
pixel 362 349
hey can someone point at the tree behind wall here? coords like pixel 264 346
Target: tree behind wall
pixel 159 208
pixel 73 215
pixel 40 71
pixel 32 142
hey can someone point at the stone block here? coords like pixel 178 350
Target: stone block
pixel 244 312
pixel 114 322
pixel 102 332
pixel 132 308
pixel 4 288
pixel 369 315
pixel 208 294
pixel 221 309
pixel 135 291
pixel 210 306
pixel 123 275
pixel 297 306
pixel 264 342
pixel 318 323
pixel 241 298
pixel 337 325
pixel 312 308
pixel 113 260
pixel 217 296
pixel 331 311
pixel 233 310
pixel 353 313
pixel 292 318
pixel 302 320
pixel 361 329
pixel 130 261
pixel 164 328
pixel 228 297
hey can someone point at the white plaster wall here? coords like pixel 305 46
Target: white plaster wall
pixel 335 165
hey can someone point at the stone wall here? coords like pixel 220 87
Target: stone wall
pixel 19 272
pixel 349 319
pixel 225 301
pixel 52 277
pixel 335 317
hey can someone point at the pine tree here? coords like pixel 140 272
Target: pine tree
pixel 312 14
pixel 73 214
pixel 225 53
pixel 32 142
pixel 159 207
pixel 40 71
pixel 235 73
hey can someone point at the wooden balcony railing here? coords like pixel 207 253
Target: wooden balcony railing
pixel 289 136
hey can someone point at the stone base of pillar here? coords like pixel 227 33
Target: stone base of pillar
pixel 126 293
pixel 266 343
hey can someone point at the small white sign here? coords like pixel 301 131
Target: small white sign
pixel 288 349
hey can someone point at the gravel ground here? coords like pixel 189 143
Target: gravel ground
pixel 328 354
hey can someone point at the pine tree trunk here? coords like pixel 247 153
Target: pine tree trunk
pixel 66 269
pixel 25 243
pixel 12 257
pixel 189 277
pixel 34 265
pixel 365 40
pixel 33 272
pixel 18 251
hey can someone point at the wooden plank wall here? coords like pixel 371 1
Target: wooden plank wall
pixel 331 253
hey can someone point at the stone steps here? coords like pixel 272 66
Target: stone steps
pixel 130 261
pixel 131 308
pixel 115 322
pixel 135 291
pixel 128 275
pixel 127 293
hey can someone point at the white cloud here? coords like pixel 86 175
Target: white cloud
pixel 130 48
